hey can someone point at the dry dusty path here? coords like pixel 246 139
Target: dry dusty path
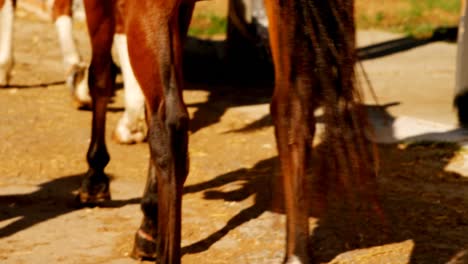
pixel 228 216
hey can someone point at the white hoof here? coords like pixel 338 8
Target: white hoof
pixel 294 260
pixel 77 82
pixel 131 130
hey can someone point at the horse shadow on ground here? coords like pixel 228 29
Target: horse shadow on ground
pixel 245 80
pixel 50 200
pixel 390 47
pixel 34 85
pixel 421 201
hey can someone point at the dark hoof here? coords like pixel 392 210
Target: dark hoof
pixel 86 198
pixel 94 189
pixel 82 105
pixel 461 103
pixel 144 247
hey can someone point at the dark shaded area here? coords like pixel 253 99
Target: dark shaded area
pixel 254 182
pixel 243 74
pixel 241 61
pixel 421 201
pixel 35 85
pixel 461 105
pixel 214 62
pixel 246 81
pixel 52 199
pixel 414 206
pixel 402 44
pixel 223 97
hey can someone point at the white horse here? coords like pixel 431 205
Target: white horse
pixel 131 127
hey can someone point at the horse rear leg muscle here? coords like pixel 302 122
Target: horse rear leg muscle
pixel 100 20
pixel 154 42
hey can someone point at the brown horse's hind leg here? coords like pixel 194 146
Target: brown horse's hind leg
pixel 155 49
pixel 294 130
pixel 146 236
pixel 95 186
pixel 292 110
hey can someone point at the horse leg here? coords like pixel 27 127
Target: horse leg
pixel 6 39
pixel 154 42
pixel 294 122
pixel 100 21
pixel 75 68
pixel 131 127
pixel 293 138
pixel 294 131
pixel 146 236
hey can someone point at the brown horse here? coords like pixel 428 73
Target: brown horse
pixel 313 49
pixel 132 126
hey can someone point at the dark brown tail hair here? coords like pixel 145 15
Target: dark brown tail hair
pixel 330 30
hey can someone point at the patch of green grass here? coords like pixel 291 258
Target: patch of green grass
pixel 412 17
pixel 207 25
pixel 446 5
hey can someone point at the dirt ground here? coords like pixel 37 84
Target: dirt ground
pixel 228 213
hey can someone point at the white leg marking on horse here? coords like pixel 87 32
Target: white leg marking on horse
pixel 75 70
pixel 64 27
pixel 81 89
pixel 132 126
pixel 6 41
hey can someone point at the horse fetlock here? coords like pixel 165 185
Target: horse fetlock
pixel 145 246
pixel 76 80
pixel 131 128
pixel 94 188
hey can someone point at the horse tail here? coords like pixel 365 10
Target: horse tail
pixel 330 32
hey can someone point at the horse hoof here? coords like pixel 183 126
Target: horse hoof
pixel 130 132
pixel 144 247
pixel 128 138
pixel 85 198
pixel 76 82
pixel 295 260
pixel 461 103
pixel 94 188
pixel 82 105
